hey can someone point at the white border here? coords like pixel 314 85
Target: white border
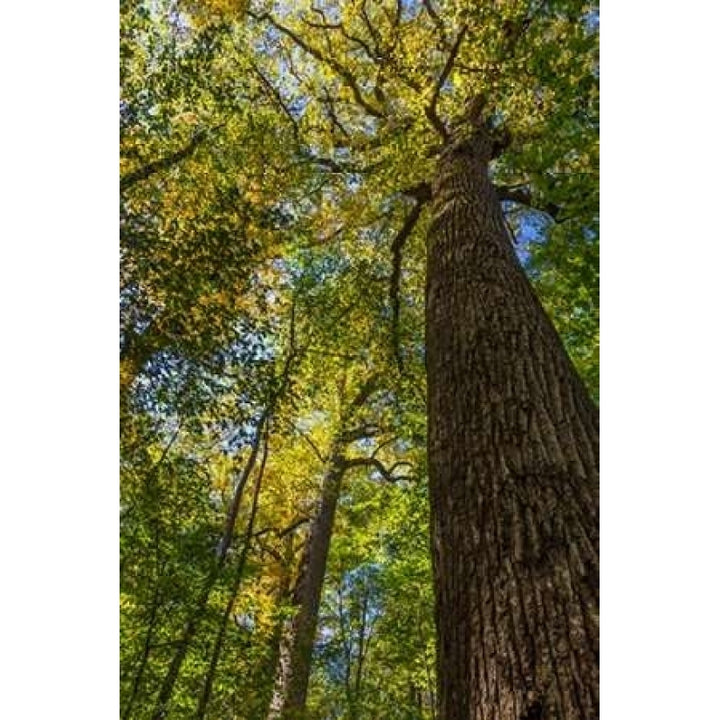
pixel 58 367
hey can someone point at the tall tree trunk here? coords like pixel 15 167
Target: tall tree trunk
pixel 293 670
pixel 513 463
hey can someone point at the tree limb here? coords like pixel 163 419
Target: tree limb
pixel 275 94
pixel 431 109
pixel 343 31
pixel 311 443
pixel 421 193
pixel 360 433
pixel 366 390
pixel 371 29
pixel 523 196
pixel 348 78
pixel 339 167
pixel 439 24
pixel 165 163
pixel 387 473
pixel 293 526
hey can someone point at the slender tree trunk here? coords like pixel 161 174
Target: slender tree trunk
pixel 293 671
pixel 239 571
pixel 365 635
pixel 429 669
pixel 147 647
pixel 513 463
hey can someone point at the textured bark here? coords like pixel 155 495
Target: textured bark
pixel 294 662
pixel 513 462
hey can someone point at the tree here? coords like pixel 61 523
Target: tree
pixel 513 460
pixel 375 650
pixel 513 434
pixel 296 647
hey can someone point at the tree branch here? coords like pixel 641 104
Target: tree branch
pixel 348 78
pixel 387 474
pixel 343 31
pixel 293 526
pixel 398 13
pixel 275 94
pixel 311 443
pixel 523 196
pixel 371 29
pixel 165 163
pixel 338 167
pixel 439 24
pixel 366 390
pixel 421 193
pixel 431 109
pixel 329 106
pixel 360 433
pixel 279 534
